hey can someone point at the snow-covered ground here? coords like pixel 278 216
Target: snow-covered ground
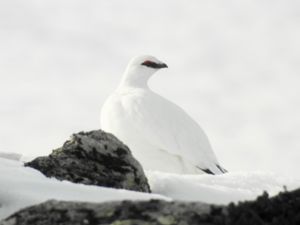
pixel 233 65
pixel 22 186
pixel 221 189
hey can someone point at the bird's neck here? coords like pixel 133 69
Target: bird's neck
pixel 135 79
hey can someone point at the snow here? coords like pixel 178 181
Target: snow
pixel 11 155
pixel 220 189
pixel 22 186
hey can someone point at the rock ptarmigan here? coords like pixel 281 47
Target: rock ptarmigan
pixel 160 134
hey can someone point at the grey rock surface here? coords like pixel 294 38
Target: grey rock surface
pixel 282 209
pixel 94 158
pixel 116 213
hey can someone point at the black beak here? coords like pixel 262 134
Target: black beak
pixel 154 65
pixel 162 65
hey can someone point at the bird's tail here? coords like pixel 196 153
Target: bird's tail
pixel 213 171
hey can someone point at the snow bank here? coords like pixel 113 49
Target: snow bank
pixel 221 189
pixel 10 155
pixel 22 186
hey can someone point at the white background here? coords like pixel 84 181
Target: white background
pixel 234 66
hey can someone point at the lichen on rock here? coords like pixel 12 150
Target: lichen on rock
pixel 94 158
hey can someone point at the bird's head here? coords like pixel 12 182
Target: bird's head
pixel 147 62
pixel 140 69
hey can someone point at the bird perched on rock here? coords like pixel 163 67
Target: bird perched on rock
pixel 160 134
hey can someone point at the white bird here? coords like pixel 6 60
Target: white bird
pixel 160 134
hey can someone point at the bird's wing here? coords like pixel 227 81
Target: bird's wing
pixel 171 129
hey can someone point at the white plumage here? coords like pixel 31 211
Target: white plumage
pixel 160 134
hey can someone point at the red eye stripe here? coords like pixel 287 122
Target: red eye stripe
pixel 148 63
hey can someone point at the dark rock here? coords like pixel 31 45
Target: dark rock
pixel 94 158
pixel 282 209
pixel 125 212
